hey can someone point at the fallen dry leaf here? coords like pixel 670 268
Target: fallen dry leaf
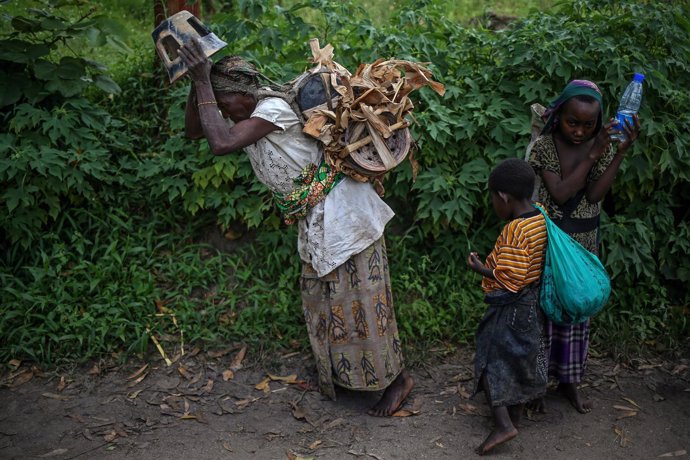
pixel 184 372
pixel 138 372
pixel 226 446
pixel 621 438
pixel 53 453
pixel 138 380
pixel 228 375
pixel 469 408
pixel 219 353
pixel 292 456
pixel 626 415
pixel 208 387
pixel 334 423
pixel 61 386
pixel 315 444
pixel 404 413
pixel 677 453
pixel 95 370
pixel 463 392
pixel 22 378
pixel 197 377
pixel 631 402
pixel 625 408
pixel 263 385
pixel 110 436
pixel 14 364
pixel 292 378
pixel 237 360
pixel 134 394
pixel 299 413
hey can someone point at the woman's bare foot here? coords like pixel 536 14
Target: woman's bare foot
pixel 496 437
pixel 569 390
pixel 393 396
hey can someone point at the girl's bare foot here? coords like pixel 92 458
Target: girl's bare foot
pixel 569 390
pixel 496 437
pixel 393 396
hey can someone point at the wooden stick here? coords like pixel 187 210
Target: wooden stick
pixel 366 140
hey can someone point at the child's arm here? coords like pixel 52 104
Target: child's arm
pixel 598 188
pixel 562 189
pixel 476 265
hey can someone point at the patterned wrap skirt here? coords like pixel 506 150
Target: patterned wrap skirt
pixel 351 323
pixel 511 346
pixel 568 345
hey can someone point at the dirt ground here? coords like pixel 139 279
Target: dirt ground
pixel 220 404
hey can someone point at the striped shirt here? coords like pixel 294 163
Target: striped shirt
pixel 516 260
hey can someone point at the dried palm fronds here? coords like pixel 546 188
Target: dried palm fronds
pixel 364 129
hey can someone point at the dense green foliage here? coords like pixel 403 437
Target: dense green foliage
pixel 95 185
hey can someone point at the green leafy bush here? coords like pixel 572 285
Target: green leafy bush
pixel 56 144
pixel 95 185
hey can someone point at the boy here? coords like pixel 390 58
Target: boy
pixel 510 363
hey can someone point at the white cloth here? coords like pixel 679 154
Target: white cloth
pixel 347 221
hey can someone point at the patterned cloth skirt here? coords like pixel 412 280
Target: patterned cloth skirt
pixel 511 348
pixel 351 323
pixel 567 346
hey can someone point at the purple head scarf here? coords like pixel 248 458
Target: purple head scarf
pixel 572 89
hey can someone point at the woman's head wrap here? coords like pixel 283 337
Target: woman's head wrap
pixel 572 89
pixel 232 74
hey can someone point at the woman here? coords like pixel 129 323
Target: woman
pixel 577 163
pixel 345 283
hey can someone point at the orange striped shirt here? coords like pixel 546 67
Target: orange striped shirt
pixel 516 259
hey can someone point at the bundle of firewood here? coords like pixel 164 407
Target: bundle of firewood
pixel 364 128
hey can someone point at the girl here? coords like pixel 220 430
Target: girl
pixel 577 163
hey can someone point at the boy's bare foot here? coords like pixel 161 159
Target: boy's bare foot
pixel 569 390
pixel 496 437
pixel 515 414
pixel 393 396
pixel 537 406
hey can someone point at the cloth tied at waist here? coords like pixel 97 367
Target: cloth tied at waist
pixel 312 186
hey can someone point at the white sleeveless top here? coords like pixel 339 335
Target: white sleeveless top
pixel 347 221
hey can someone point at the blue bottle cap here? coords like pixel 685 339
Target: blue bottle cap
pixel 638 77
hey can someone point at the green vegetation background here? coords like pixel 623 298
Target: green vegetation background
pixel 106 208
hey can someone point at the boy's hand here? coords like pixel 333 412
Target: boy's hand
pixel 474 262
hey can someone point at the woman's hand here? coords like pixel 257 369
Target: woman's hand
pixel 632 132
pixel 196 61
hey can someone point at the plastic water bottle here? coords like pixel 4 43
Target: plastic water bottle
pixel 628 106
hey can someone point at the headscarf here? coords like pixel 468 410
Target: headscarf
pixel 232 74
pixel 572 89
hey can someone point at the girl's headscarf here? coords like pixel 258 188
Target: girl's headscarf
pixel 572 89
